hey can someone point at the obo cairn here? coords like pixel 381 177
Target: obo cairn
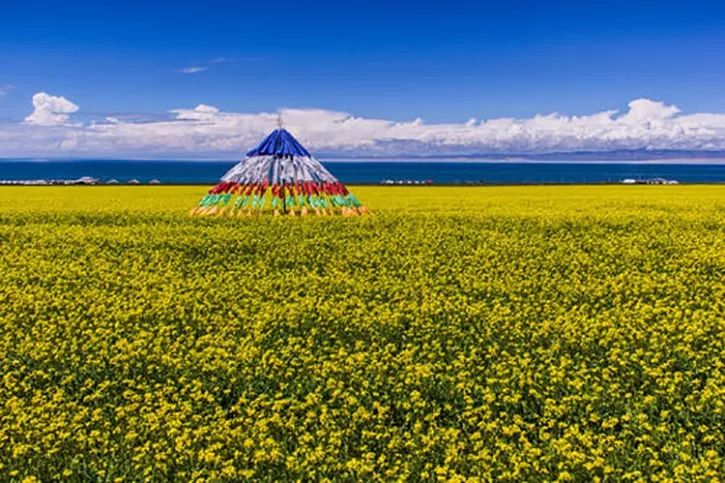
pixel 279 176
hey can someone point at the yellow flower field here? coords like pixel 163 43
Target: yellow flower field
pixel 507 333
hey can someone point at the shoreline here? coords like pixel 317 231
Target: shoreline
pixel 397 160
pixel 380 185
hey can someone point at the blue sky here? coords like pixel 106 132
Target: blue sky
pixel 443 62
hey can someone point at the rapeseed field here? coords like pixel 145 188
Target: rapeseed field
pixel 507 333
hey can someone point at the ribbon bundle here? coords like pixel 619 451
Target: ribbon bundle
pixel 239 199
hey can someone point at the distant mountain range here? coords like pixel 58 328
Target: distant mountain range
pixel 630 155
pixel 615 155
pixel 621 155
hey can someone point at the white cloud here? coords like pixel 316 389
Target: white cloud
pixel 199 113
pixel 649 110
pixel 194 69
pixel 206 65
pixel 206 131
pixel 50 110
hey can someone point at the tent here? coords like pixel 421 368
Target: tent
pixel 279 176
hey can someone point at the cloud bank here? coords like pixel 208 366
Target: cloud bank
pixel 207 132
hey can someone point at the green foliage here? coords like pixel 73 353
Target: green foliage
pixel 491 333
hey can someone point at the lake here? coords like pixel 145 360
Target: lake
pixel 375 172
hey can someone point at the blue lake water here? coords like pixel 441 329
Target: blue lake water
pixel 374 172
